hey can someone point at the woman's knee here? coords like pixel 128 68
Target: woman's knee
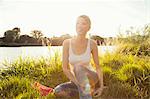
pixel 59 91
pixel 63 90
pixel 60 94
pixel 65 94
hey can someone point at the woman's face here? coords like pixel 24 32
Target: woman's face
pixel 82 26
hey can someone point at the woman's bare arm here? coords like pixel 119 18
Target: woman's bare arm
pixel 96 61
pixel 65 62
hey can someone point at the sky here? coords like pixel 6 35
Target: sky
pixel 58 17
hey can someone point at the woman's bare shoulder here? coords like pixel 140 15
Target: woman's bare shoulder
pixel 66 42
pixel 93 42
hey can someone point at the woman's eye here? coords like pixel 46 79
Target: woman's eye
pixel 81 23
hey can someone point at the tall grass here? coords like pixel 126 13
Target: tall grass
pixel 127 76
pixel 126 73
pixel 16 80
pixel 135 43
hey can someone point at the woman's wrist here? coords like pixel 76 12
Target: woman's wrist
pixel 101 85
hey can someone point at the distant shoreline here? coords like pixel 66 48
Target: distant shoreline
pixel 30 45
pixel 26 45
pixel 22 45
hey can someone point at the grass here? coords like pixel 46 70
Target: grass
pixel 127 77
pixel 126 73
pixel 26 71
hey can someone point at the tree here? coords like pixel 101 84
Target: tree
pixel 37 34
pixel 17 30
pixel 10 36
pixel 24 39
pixel 98 39
pixel 65 36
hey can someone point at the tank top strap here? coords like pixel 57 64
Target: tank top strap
pixel 88 45
pixel 70 45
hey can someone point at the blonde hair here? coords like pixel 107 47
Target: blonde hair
pixel 86 18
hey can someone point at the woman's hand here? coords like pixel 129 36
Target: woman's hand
pixel 98 92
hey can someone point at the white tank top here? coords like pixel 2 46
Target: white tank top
pixel 83 58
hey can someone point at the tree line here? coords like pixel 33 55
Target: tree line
pixel 14 37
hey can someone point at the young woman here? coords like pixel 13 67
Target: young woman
pixel 85 81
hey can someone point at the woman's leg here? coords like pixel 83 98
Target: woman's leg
pixel 94 81
pixel 67 89
pixel 87 79
pixel 93 78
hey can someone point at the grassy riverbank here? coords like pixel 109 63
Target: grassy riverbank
pixel 126 73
